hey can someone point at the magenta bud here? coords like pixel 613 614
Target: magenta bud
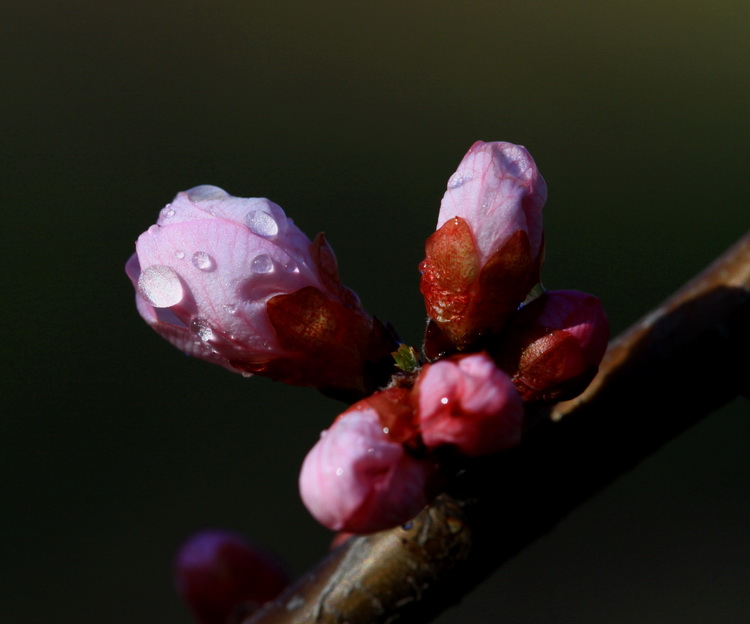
pixel 554 345
pixel 216 571
pixel 468 403
pixel 486 252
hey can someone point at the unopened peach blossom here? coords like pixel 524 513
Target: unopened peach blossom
pixel 359 479
pixel 553 345
pixel 217 570
pixel 468 403
pixel 234 281
pixel 487 250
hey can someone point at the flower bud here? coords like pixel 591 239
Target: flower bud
pixel 217 571
pixel 554 345
pixel 487 251
pixel 360 479
pixel 235 282
pixel 469 403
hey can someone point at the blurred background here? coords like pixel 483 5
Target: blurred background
pixel 114 447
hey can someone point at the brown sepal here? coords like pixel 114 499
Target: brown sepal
pixel 337 348
pixel 328 338
pixel 448 271
pixel 328 269
pixel 397 415
pixel 464 301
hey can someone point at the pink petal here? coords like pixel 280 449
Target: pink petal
pixel 469 403
pixel 356 479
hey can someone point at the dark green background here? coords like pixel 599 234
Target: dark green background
pixel 351 115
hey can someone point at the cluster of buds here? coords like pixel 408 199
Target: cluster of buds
pixel 378 465
pixel 235 282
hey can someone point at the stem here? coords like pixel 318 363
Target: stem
pixel 675 366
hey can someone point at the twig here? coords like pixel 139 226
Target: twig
pixel 675 366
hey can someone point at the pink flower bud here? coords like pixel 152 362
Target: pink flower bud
pixel 469 403
pixel 359 479
pixel 235 282
pixel 486 254
pixel 216 571
pixel 554 345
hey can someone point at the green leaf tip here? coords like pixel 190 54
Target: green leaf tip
pixel 406 357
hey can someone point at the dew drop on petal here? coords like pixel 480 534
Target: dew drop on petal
pixel 339 471
pixel 206 192
pixel 168 211
pixel 230 308
pixel 262 264
pixel 179 254
pixel 160 286
pixel 291 267
pixel 201 328
pixel 386 430
pixel 202 261
pixel 459 179
pixel 261 223
pixel 444 400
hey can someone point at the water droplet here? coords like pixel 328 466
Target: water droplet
pixel 160 286
pixel 246 374
pixel 179 254
pixel 339 471
pixel 444 400
pixel 206 192
pixel 370 451
pixel 202 329
pixel 168 211
pixel 386 430
pixel 262 264
pixel 407 525
pixel 459 179
pixel 261 223
pixel 230 308
pixel 291 267
pixel 323 433
pixel 202 261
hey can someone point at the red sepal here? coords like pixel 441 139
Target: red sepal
pixel 464 300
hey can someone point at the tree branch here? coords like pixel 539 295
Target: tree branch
pixel 675 366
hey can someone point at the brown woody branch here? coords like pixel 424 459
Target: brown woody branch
pixel 675 366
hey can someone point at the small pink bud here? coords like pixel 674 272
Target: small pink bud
pixel 216 571
pixel 235 282
pixel 554 345
pixel 486 254
pixel 359 479
pixel 469 403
